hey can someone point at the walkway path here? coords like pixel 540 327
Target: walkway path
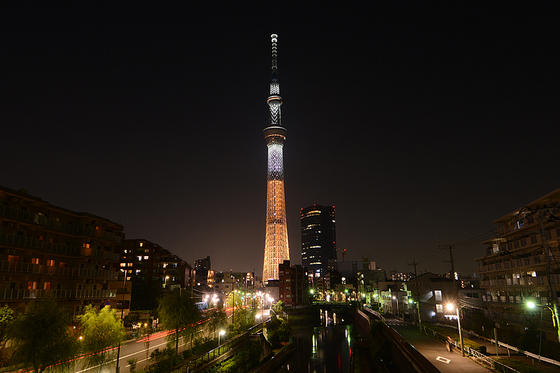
pixel 436 351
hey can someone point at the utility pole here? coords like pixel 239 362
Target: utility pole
pixel 450 248
pixel 543 211
pixel 414 263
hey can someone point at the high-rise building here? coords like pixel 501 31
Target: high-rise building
pixel 318 239
pixel 276 248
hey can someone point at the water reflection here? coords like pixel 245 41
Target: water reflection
pixel 323 349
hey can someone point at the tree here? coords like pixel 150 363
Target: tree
pixel 244 319
pixel 6 317
pixel 101 332
pixel 179 313
pixel 41 337
pixel 217 319
pixel 145 335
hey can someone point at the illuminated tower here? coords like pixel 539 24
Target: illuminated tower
pixel 276 248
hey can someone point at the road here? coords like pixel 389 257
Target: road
pixel 137 349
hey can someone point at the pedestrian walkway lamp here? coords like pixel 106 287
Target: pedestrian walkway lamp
pixel 554 317
pixel 417 306
pixel 122 319
pixel 450 307
pixel 220 334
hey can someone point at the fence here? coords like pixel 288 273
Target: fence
pixel 479 357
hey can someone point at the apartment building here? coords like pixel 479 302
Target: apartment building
pixel 521 264
pixel 153 270
pixel 293 287
pixel 46 249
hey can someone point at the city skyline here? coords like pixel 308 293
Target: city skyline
pixel 423 125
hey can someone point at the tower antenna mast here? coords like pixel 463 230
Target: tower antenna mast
pixel 276 248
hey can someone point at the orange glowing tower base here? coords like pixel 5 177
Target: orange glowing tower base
pixel 276 248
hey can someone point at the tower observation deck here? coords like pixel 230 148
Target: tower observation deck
pixel 276 248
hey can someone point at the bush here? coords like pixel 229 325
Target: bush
pixel 278 331
pixel 164 360
pixel 132 362
pixel 520 366
pixel 241 362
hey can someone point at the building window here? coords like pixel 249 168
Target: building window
pixel 50 263
pixel 47 285
pixel 35 260
pixel 439 308
pixel 437 294
pixel 32 285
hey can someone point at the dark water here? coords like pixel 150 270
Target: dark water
pixel 323 349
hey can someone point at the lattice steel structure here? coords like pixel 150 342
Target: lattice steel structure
pixel 276 248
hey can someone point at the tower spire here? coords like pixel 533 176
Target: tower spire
pixel 276 248
pixel 274 99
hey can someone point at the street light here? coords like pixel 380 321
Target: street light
pixel 122 319
pixel 532 305
pixel 395 297
pixel 450 307
pixel 222 332
pixel 411 301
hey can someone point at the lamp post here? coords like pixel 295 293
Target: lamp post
pixel 222 332
pixel 533 305
pixel 397 299
pixel 165 282
pixel 122 320
pixel 450 308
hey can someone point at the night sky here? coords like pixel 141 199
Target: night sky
pixel 422 122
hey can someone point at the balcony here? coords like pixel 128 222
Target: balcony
pixel 26 294
pixel 78 230
pixel 56 271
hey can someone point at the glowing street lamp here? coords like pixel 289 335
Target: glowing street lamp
pixel 220 334
pixel 554 316
pixel 165 282
pixel 450 307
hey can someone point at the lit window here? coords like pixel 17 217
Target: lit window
pixel 146 257
pixel 439 308
pixel 437 294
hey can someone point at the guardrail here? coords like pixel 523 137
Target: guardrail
pixel 479 357
pixel 509 347
pixel 199 361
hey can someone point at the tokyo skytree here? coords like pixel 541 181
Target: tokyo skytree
pixel 276 248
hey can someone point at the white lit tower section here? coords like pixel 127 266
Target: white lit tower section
pixel 276 248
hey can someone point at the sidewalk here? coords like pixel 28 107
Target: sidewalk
pixel 503 352
pixel 436 352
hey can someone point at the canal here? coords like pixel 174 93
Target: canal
pixel 323 348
